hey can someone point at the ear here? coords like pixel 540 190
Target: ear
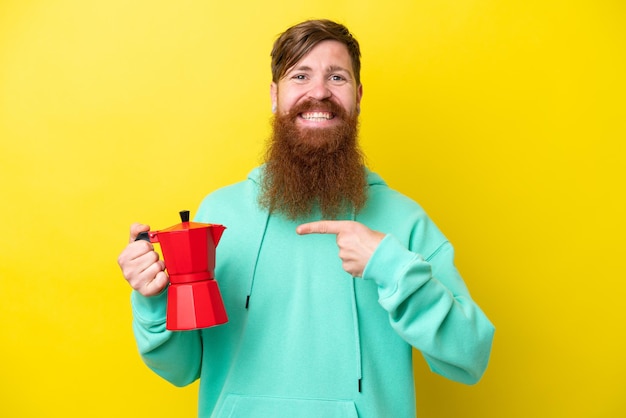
pixel 359 96
pixel 274 96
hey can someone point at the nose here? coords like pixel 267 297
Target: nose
pixel 319 90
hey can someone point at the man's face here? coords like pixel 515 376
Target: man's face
pixel 324 77
pixel 313 159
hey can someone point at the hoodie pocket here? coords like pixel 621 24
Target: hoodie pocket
pixel 238 406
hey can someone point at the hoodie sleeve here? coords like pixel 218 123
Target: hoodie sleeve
pixel 429 306
pixel 175 356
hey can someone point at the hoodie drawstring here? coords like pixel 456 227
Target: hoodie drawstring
pixel 357 335
pixel 357 332
pixel 256 260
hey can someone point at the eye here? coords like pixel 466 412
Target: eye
pixel 338 79
pixel 299 77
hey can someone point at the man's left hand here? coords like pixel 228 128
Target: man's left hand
pixel 356 242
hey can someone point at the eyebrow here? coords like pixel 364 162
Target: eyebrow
pixel 331 69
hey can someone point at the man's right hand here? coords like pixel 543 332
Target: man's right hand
pixel 141 266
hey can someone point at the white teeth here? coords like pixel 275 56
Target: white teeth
pixel 317 116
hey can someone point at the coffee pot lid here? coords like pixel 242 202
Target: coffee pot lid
pixel 185 224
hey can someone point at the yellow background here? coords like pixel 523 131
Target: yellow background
pixel 504 119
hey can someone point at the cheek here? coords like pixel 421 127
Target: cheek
pixel 283 106
pixel 285 98
pixel 349 105
pixel 286 101
pixel 347 99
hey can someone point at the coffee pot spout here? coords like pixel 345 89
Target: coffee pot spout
pixel 216 233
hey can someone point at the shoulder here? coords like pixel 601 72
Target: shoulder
pixel 230 200
pixel 383 198
pixel 391 211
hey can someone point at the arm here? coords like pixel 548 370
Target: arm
pixel 427 301
pixel 175 356
pixel 429 307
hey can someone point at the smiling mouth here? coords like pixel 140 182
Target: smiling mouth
pixel 317 116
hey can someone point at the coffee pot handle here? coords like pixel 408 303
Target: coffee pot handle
pixel 145 236
pixel 148 236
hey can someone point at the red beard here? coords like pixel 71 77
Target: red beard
pixel 314 167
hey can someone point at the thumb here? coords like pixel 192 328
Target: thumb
pixel 136 229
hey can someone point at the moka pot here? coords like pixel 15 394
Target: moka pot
pixel 193 296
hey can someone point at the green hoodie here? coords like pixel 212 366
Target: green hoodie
pixel 304 338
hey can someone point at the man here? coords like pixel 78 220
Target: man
pixel 328 276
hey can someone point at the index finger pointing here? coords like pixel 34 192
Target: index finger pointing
pixel 320 227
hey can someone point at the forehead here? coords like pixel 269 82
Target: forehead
pixel 327 55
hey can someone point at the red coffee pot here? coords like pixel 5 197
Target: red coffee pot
pixel 193 297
